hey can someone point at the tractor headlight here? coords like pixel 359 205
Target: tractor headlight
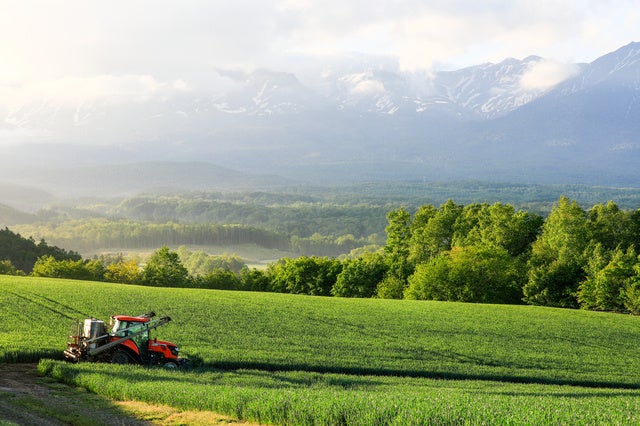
pixel 175 350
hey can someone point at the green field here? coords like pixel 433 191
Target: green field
pixel 292 359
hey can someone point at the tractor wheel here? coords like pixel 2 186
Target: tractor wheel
pixel 170 365
pixel 120 357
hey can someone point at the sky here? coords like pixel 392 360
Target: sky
pixel 132 49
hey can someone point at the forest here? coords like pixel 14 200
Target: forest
pixel 479 252
pixel 19 254
pixel 301 221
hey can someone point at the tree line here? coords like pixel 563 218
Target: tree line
pixel 494 254
pixel 283 215
pixel 470 253
pixel 488 254
pixel 19 254
pixel 100 233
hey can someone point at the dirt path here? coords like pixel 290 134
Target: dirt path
pixel 28 399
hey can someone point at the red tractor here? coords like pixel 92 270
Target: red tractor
pixel 128 342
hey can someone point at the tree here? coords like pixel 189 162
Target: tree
pixel 7 268
pixel 254 280
pixel 430 281
pixel 24 252
pixel 45 266
pixel 498 225
pixel 94 269
pixel 437 234
pixel 476 274
pixel 220 279
pixel 123 271
pixel 608 276
pixel 360 276
pixel 632 291
pixel 165 270
pixel 200 263
pixel 391 287
pixel 557 260
pixel 48 266
pixel 421 217
pixel 304 275
pixel 611 226
pixel 397 246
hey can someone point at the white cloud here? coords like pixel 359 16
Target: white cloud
pixel 113 89
pixel 545 74
pixel 368 87
pixel 457 33
pixel 58 40
pixel 17 136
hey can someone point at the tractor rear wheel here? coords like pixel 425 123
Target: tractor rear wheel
pixel 120 357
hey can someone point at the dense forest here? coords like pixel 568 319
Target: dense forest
pixel 479 252
pixel 85 235
pixel 494 254
pixel 19 254
pixel 308 221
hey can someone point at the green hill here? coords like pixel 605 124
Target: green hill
pixel 23 252
pixel 261 341
pixel 10 216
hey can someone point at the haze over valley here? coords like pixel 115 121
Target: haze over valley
pixel 404 102
pixel 355 121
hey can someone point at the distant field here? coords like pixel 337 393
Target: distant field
pixel 342 354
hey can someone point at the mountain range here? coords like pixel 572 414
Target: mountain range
pixel 529 120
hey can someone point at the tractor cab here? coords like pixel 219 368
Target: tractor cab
pixel 137 327
pixel 140 345
pixel 122 325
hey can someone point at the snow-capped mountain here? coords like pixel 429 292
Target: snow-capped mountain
pixel 265 93
pixel 490 90
pixel 528 119
pixel 482 91
pixel 620 68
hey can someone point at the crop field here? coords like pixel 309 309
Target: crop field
pixel 289 359
pixel 337 399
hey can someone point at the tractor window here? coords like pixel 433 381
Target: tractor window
pixel 126 328
pixel 118 326
pixel 142 339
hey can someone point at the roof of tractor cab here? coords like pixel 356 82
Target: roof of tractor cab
pixel 131 319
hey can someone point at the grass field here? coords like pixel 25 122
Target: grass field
pixel 291 359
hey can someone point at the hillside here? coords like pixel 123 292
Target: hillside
pixel 22 197
pixel 10 216
pixel 23 252
pixel 285 332
pixel 283 359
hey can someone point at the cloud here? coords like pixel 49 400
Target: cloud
pixel 110 88
pixel 455 33
pixel 545 74
pixel 52 40
pixel 362 84
pixel 17 136
pixel 368 87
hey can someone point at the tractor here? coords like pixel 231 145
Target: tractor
pixel 128 342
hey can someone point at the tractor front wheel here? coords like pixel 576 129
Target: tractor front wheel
pixel 170 365
pixel 120 357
